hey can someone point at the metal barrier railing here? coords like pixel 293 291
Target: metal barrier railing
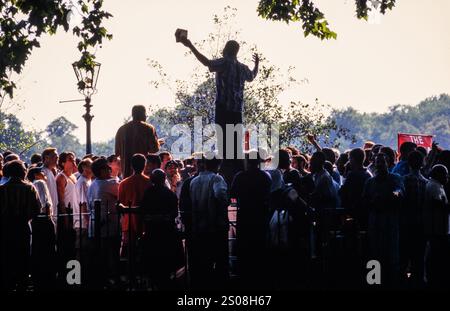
pixel 101 221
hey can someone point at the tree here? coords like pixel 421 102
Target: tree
pixel 23 22
pixel 429 117
pixel 60 136
pixel 195 97
pixel 304 119
pixel 103 148
pixel 12 135
pixel 312 19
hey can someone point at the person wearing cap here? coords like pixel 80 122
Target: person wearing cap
pixel 251 188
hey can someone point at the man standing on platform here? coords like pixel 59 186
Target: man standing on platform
pixel 231 76
pixel 136 136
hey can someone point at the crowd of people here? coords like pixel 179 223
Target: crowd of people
pixel 306 220
pixel 389 207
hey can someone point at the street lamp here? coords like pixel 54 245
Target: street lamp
pixel 87 85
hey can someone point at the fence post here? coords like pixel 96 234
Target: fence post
pixel 97 217
pixel 119 215
pixel 130 257
pixel 107 219
pixel 80 227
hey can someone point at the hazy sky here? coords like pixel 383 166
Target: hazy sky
pixel 402 60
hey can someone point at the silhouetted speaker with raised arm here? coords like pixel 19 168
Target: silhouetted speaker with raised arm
pixel 231 76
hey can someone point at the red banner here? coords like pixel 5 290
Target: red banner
pixel 425 141
pixel 247 140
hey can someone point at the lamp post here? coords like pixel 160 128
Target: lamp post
pixel 87 85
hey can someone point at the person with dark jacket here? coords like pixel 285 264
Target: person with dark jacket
pixel 352 189
pixel 402 168
pixel 185 204
pixel 161 245
pixel 383 194
pixel 19 203
pixel 412 238
pixel 251 188
pixel 436 223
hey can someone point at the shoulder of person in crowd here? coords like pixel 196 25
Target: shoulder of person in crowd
pixel 217 177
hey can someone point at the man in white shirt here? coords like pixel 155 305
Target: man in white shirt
pixel 50 160
pixel 106 189
pixel 325 193
pixel 82 186
pixel 38 179
pixel 209 238
pixel 43 235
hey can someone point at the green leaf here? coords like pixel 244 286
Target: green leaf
pixel 84 8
